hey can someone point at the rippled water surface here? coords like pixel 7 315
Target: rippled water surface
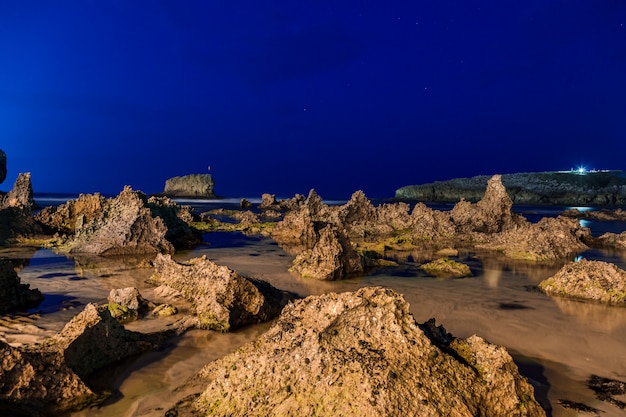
pixel 557 343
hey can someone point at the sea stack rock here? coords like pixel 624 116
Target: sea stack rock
pixel 194 185
pixel 3 166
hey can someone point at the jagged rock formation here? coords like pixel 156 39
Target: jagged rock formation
pixel 49 378
pixel 361 354
pixel 554 188
pixel 63 218
pixel 194 185
pixel 332 257
pixel 13 294
pixel 489 224
pixel 127 224
pixel 15 211
pixel 588 280
pixel 270 202
pixel 223 299
pixel 3 166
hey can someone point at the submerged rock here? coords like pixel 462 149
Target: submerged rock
pixel 223 299
pixel 194 185
pixel 361 354
pixel 588 280
pixel 446 268
pixel 13 294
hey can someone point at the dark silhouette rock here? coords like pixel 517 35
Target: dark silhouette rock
pixel 194 185
pixel 3 166
pixel 13 294
pixel 223 299
pixel 588 280
pixel 361 354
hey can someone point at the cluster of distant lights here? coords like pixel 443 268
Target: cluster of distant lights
pixel 582 170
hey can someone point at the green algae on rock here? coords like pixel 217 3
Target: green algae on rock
pixel 361 354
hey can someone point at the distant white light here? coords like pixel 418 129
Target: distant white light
pixel 582 170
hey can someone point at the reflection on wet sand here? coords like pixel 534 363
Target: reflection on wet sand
pixel 564 341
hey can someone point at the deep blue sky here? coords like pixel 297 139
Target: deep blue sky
pixel 284 96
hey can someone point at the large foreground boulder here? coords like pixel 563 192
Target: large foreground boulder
pixel 223 300
pixel 13 294
pixel 194 185
pixel 49 378
pixel 588 280
pixel 362 354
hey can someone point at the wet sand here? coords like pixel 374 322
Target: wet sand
pixel 557 343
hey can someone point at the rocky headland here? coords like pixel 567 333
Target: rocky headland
pixel 570 188
pixel 361 354
pixel 193 185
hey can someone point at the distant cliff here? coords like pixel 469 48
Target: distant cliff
pixel 597 188
pixel 194 185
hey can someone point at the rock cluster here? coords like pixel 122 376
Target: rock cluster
pixel 13 294
pixel 128 224
pixel 223 299
pixel 361 354
pixel 537 188
pixel 49 378
pixel 358 225
pixel 194 185
pixel 588 280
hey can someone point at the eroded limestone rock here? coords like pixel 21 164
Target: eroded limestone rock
pixel 361 354
pixel 222 298
pixel 588 280
pixel 129 224
pixel 49 378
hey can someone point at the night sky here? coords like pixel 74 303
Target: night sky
pixel 285 96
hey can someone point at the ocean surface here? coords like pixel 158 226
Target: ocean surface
pixel 558 344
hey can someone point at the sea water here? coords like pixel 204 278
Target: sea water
pixel 558 344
